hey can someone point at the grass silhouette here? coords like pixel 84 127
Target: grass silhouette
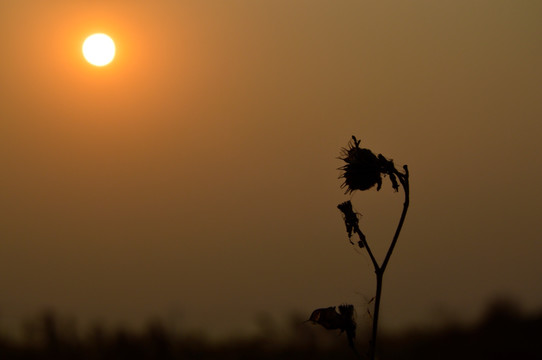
pixel 502 332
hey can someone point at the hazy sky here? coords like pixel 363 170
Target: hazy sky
pixel 195 178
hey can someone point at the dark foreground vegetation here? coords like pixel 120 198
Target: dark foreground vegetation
pixel 503 333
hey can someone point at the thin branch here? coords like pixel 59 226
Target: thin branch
pixel 376 312
pixel 403 178
pixel 366 246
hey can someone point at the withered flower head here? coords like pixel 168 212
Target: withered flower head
pixel 343 320
pixel 363 169
pixel 351 221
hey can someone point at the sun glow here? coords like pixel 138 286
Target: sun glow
pixel 99 49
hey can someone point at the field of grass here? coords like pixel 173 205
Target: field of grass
pixel 503 333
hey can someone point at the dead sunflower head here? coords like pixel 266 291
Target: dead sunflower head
pixel 363 169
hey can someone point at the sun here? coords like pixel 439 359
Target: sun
pixel 99 49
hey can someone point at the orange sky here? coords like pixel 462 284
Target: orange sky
pixel 196 175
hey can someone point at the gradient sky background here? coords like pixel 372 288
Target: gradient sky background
pixel 195 178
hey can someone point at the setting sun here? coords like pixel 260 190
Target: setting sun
pixel 99 49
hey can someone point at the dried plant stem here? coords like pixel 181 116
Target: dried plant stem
pixel 376 311
pixel 379 269
pixel 403 178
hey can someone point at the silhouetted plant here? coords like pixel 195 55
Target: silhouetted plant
pixel 343 320
pixel 362 171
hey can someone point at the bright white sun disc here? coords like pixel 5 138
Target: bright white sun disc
pixel 99 49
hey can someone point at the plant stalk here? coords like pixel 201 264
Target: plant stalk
pixel 379 269
pixel 376 312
